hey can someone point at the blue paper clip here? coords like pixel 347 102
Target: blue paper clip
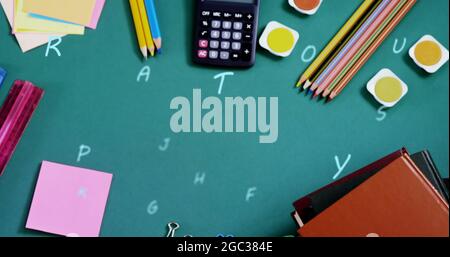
pixel 2 76
pixel 223 235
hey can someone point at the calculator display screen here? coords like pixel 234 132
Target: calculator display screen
pixel 234 1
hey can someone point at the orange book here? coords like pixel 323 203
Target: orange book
pixel 398 201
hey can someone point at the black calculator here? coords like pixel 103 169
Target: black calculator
pixel 226 32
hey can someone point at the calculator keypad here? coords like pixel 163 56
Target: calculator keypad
pixel 214 44
pixel 237 26
pixel 226 36
pixel 215 24
pixel 237 36
pixel 226 25
pixel 213 54
pixel 236 46
pixel 224 55
pixel 225 45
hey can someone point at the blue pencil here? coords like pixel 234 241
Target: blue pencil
pixel 154 25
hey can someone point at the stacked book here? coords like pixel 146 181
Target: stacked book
pixel 397 196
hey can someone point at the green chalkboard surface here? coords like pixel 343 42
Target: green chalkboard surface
pixel 212 183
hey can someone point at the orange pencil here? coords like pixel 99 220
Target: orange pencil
pixel 336 41
pixel 367 44
pixel 341 85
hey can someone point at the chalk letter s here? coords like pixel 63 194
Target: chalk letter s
pixel 382 113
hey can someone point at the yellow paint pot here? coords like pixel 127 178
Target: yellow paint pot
pixel 429 54
pixel 387 88
pixel 278 39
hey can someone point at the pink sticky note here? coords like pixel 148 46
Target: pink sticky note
pixel 69 201
pixel 96 13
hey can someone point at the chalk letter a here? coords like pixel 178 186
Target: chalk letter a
pixel 145 72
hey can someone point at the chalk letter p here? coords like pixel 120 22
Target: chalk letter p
pixel 84 150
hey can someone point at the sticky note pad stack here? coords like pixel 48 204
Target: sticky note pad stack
pixel 24 22
pixel 397 196
pixel 35 22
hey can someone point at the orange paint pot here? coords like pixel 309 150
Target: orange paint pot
pixel 308 7
pixel 429 54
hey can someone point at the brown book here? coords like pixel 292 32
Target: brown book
pixel 398 201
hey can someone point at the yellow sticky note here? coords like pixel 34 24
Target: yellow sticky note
pixel 26 41
pixel 23 22
pixel 75 11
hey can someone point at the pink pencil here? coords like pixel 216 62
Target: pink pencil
pixel 352 41
pixel 351 53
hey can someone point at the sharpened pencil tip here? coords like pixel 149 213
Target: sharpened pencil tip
pixel 144 52
pixel 307 84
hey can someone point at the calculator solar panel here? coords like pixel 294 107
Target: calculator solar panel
pixel 225 32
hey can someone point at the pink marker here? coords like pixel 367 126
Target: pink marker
pixel 16 112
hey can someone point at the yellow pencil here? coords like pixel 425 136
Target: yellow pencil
pixel 335 41
pixel 146 27
pixel 138 26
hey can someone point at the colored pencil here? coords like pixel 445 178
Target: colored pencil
pixel 146 27
pixel 331 76
pixel 369 25
pixel 365 47
pixel 330 58
pixel 344 82
pixel 154 24
pixel 138 26
pixel 352 40
pixel 337 39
